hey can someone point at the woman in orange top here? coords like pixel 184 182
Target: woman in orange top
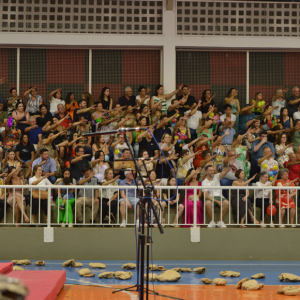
pixel 71 104
pixel 284 198
pixel 202 145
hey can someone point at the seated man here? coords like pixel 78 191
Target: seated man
pixel 228 132
pixel 146 142
pixel 128 197
pixel 257 152
pixel 87 197
pixel 35 134
pixel 121 166
pixel 228 114
pixel 163 170
pixel 229 177
pixel 195 115
pixel 267 162
pixel 62 115
pixel 174 108
pixel 296 115
pixel 48 165
pixel 293 165
pixel 78 162
pixel 161 128
pixel 214 195
pixel 246 118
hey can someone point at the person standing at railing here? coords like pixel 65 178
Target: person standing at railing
pixel 47 163
pixel 16 196
pixel 87 197
pixel 257 152
pixel 240 202
pixel 128 197
pixel 39 196
pixel 213 196
pixel 263 197
pixel 191 180
pixel 284 198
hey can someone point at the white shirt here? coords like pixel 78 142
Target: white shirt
pixel 119 147
pixel 270 163
pixel 193 121
pixel 43 182
pixel 233 118
pixel 296 115
pixel 280 104
pixel 108 127
pixel 214 182
pixel 139 98
pixel 262 193
pixel 53 104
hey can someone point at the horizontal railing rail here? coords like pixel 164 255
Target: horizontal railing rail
pixel 89 206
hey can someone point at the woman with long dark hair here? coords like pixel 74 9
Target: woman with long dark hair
pixel 207 100
pixel 71 104
pixel 105 99
pixel 21 117
pixel 55 98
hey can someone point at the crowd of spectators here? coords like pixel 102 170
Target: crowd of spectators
pixel 42 143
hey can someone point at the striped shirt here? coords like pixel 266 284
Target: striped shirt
pixel 164 103
pixel 33 105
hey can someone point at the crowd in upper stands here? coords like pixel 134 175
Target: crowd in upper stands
pixel 42 143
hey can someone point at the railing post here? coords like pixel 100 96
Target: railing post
pixel 49 207
pixel 195 207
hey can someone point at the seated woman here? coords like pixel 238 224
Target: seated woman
pixel 176 199
pixel 99 165
pixel 142 123
pixel 71 104
pixel 65 202
pixel 192 179
pixel 39 196
pixel 109 197
pixel 21 117
pixel 88 98
pixel 185 163
pixel 165 143
pixel 10 161
pixel 149 164
pixel 100 144
pixel 44 118
pixel 263 197
pixel 129 114
pixel 221 152
pixel 16 197
pixel 240 202
pixel 25 154
pixel 285 119
pixel 12 138
pixel 284 198
pixel 283 149
pixel 144 112
pixel 33 100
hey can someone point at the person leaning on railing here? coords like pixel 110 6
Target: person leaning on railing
pixel 87 197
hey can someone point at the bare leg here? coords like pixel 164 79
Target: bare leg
pixel 292 214
pixel 242 222
pixel 179 214
pixel 17 215
pixel 282 211
pixel 22 207
pixel 29 167
pixel 225 206
pixel 208 208
pixel 164 206
pixel 123 209
pixel 32 218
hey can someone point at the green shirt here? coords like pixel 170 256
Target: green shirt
pixel 4 115
pixel 260 103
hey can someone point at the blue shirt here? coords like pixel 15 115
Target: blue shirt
pixel 131 192
pixel 243 119
pixel 227 140
pixel 259 154
pixel 158 133
pixel 48 167
pixel 33 135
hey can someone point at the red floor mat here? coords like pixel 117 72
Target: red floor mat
pixel 6 267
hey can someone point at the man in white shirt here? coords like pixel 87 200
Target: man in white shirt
pixel 228 114
pixel 214 196
pixel 195 116
pixel 296 115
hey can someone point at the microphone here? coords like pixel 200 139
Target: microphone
pixel 118 131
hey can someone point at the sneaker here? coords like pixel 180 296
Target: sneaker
pixel 221 224
pixel 272 225
pixel 293 226
pixel 63 225
pixel 281 226
pixel 211 224
pixel 123 224
pixel 53 203
pixel 62 207
pixel 137 224
pixel 70 225
pixel 262 225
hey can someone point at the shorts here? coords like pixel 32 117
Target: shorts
pixel 24 162
pixel 133 201
pixel 219 199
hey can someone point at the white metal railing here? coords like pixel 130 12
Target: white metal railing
pixel 10 213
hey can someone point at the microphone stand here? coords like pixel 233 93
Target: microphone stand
pixel 145 208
